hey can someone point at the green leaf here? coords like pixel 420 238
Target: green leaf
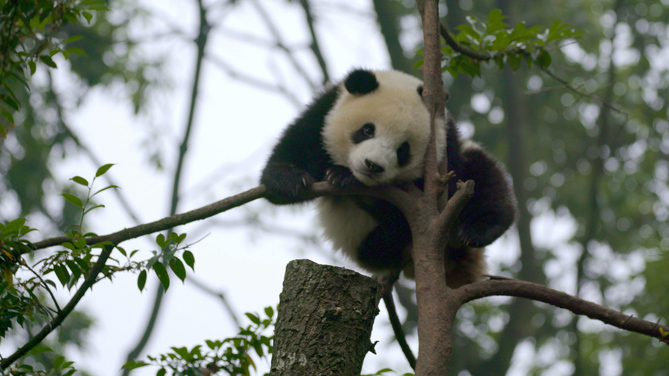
pixel 134 364
pixel 104 189
pixel 162 274
pixel 543 59
pixel 514 60
pixel 48 61
pixel 14 226
pixel 74 200
pixel 254 319
pixel 93 208
pixel 62 274
pixel 57 363
pixel 178 268
pixel 32 66
pixel 160 240
pixel 211 344
pixel 470 32
pixel 81 181
pixel 103 169
pixel 269 311
pixel 9 100
pixel 122 250
pixel 161 372
pixel 75 50
pixel 495 22
pixel 73 38
pixel 189 259
pixel 181 238
pixel 40 350
pixel 141 280
pixel 88 16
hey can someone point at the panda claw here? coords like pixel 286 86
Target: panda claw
pixel 341 177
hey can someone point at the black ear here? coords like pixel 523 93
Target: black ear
pixel 360 82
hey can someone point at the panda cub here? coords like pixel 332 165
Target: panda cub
pixel 373 129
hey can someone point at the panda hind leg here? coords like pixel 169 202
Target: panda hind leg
pixel 385 248
pixel 464 265
pixel 492 209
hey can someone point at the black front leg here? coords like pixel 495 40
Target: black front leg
pixel 285 183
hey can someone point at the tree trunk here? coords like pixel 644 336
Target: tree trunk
pixel 325 320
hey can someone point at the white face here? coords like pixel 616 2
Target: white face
pixel 381 136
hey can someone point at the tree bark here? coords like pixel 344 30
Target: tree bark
pixel 325 320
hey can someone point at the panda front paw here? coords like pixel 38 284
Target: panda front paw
pixel 341 177
pixel 285 183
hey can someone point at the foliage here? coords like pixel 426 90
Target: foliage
pixel 168 256
pixel 20 296
pixel 28 31
pixel 494 40
pixel 231 356
pixel 60 366
pixel 100 52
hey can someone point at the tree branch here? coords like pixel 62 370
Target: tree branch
pixel 397 327
pixel 314 45
pixel 62 314
pixel 540 293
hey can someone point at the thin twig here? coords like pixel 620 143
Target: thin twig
pixel 280 43
pixel 397 327
pixel 46 286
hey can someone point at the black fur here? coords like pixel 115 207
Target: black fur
pixel 361 82
pixel 300 158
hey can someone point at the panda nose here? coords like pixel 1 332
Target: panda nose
pixel 373 167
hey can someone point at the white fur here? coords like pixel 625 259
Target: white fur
pixel 398 113
pixel 344 223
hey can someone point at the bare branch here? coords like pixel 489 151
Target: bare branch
pixel 533 291
pixel 280 43
pixel 397 327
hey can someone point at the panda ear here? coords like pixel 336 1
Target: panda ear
pixel 360 82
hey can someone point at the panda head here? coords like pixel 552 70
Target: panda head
pixel 379 127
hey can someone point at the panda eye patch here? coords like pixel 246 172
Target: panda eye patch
pixel 363 133
pixel 403 154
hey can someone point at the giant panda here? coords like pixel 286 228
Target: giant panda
pixel 372 129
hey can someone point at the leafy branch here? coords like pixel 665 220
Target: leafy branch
pixel 231 356
pixel 480 42
pixel 28 36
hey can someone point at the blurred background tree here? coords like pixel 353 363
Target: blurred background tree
pixel 589 166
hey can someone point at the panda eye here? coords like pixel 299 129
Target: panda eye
pixel 368 130
pixel 364 133
pixel 403 154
